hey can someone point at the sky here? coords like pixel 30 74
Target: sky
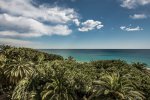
pixel 75 24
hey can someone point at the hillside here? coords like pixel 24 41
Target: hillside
pixel 27 74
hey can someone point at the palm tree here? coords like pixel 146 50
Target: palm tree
pixel 26 89
pixel 59 87
pixel 113 86
pixel 20 92
pixel 17 69
pixel 3 80
pixel 140 66
pixel 56 90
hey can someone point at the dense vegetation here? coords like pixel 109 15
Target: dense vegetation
pixel 27 74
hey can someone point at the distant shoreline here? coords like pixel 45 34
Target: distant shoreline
pixel 87 55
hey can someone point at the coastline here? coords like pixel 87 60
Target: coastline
pixel 87 55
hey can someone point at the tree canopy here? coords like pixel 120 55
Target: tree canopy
pixel 27 74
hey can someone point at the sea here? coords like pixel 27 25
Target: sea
pixel 86 55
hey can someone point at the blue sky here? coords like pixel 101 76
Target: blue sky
pixel 75 24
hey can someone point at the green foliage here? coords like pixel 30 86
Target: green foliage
pixel 27 74
pixel 118 87
pixel 29 54
pixel 59 87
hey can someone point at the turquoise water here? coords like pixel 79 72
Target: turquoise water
pixel 130 56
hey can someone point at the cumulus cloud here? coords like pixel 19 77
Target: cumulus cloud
pixel 21 18
pixel 138 16
pixel 27 9
pixel 90 25
pixel 131 4
pixel 27 27
pixel 77 22
pixel 131 29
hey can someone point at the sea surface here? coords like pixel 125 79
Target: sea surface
pixel 83 55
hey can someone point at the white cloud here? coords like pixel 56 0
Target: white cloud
pixel 138 16
pixel 129 29
pixel 27 27
pixel 77 22
pixel 44 13
pixel 131 4
pixel 90 25
pixel 22 19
